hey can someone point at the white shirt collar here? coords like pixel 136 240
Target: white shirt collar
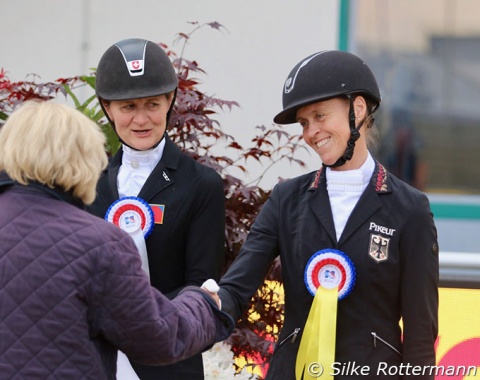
pixel 136 168
pixel 146 159
pixel 351 180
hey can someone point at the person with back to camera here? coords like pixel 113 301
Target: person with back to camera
pixel 72 290
pixel 136 85
pixel 358 246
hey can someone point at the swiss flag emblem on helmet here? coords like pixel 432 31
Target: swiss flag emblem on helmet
pixel 135 67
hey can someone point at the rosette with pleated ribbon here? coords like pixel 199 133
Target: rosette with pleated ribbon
pixel 134 216
pixel 329 276
pixel 131 213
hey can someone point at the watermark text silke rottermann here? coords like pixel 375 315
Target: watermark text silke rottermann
pixel 383 368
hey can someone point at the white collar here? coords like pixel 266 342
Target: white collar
pixel 351 180
pixel 142 158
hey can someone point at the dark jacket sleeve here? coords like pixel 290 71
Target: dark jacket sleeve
pixel 256 256
pixel 419 290
pixel 142 322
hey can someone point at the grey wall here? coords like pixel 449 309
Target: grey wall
pixel 248 62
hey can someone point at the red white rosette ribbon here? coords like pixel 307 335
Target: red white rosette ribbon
pixel 329 277
pixel 134 216
pixel 330 268
pixel 130 214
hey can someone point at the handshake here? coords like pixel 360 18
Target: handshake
pixel 212 288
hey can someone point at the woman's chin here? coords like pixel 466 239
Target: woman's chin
pixel 141 144
pixel 327 161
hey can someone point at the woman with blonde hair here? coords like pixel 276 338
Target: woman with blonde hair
pixel 56 146
pixel 72 291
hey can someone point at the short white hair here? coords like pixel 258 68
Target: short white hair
pixel 55 145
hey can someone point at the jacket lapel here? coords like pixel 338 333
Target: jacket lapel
pixel 112 176
pixel 107 191
pixel 156 182
pixel 161 177
pixel 369 203
pixel 319 203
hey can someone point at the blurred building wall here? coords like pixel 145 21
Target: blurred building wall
pixel 426 55
pixel 246 61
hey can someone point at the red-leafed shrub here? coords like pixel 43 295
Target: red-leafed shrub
pixel 193 128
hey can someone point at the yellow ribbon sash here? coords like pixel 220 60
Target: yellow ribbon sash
pixel 316 353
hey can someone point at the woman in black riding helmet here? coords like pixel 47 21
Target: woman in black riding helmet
pixel 350 229
pixel 136 85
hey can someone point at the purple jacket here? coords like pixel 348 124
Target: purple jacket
pixel 72 292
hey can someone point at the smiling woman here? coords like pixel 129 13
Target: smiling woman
pixel 322 130
pixel 351 238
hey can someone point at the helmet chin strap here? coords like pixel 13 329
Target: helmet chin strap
pixel 354 136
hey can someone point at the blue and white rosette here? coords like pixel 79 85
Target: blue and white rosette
pixel 134 216
pixel 330 268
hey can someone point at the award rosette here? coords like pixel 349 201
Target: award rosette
pixel 330 268
pixel 329 276
pixel 131 214
pixel 134 216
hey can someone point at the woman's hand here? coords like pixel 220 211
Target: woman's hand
pixel 211 287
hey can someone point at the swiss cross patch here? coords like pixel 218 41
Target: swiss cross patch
pixel 135 67
pixel 378 249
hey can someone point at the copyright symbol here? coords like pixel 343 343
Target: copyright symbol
pixel 315 369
